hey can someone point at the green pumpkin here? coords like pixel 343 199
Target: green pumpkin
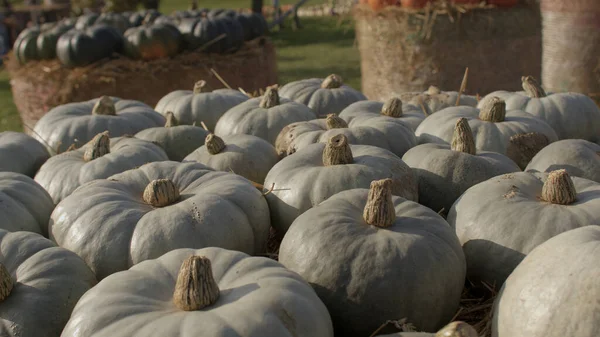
pixel 115 20
pixel 138 18
pixel 85 21
pixel 21 153
pixel 152 41
pixel 77 48
pixel 46 42
pixel 39 42
pixel 203 32
pixel 25 47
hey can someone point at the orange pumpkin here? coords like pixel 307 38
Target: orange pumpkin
pixel 380 4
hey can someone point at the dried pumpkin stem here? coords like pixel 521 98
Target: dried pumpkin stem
pixel 199 87
pixel 462 139
pixel 196 287
pixel 6 283
pixel 392 107
pixel 334 122
pixel 214 144
pixel 97 147
pixel 493 110
pixel 457 329
pixel 161 193
pixel 559 189
pixel 270 98
pixel 104 106
pixel 532 87
pixel 433 90
pixel 523 147
pixel 171 120
pixel 379 210
pixel 337 151
pixel 332 81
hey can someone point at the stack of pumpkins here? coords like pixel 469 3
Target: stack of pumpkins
pixel 123 219
pixel 377 5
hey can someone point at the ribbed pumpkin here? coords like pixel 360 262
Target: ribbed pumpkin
pixel 21 153
pixel 77 48
pixel 39 43
pixel 394 107
pixel 578 157
pixel 215 35
pixel 138 18
pixel 115 20
pixel 152 41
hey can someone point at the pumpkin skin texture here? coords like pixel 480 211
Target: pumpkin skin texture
pixel 46 42
pixel 47 283
pixel 263 117
pixel 64 173
pixel 78 123
pixel 241 221
pixel 408 114
pixel 553 292
pixel 25 47
pixel 579 157
pixel 270 301
pixel 322 96
pixel 360 268
pixel 501 220
pixel 152 41
pixel 78 48
pixel 24 204
pixel 21 153
pixel 434 99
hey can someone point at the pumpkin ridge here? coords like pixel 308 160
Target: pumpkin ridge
pixel 337 151
pixel 379 210
pixel 196 287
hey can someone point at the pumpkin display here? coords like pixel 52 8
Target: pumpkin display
pixel 434 99
pixel 317 172
pixel 205 292
pixel 39 285
pixel 47 40
pixel 578 157
pixel 77 123
pixel 322 96
pixel 454 329
pixel 409 114
pixel 138 18
pixel 501 220
pixel 21 153
pixel 372 257
pixel 86 21
pixel 245 155
pixel 24 204
pixel 101 158
pixel 199 106
pixel 263 117
pixel 115 20
pixel 254 25
pixel 445 172
pixel 572 115
pixel 77 48
pixel 553 292
pixel 143 213
pixel 221 34
pixel 39 42
pixel 152 41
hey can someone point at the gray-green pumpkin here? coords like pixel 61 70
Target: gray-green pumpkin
pixel 409 114
pixel 317 172
pixel 143 213
pixel 21 153
pixel 554 291
pixel 445 172
pixel 578 156
pixel 501 220
pixel 101 158
pixel 77 123
pixel 454 329
pixel 263 117
pixel 434 100
pixel 178 141
pixel 245 155
pixel 322 96
pixel 24 204
pixel 372 257
pixel 194 107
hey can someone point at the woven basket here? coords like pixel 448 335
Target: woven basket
pixel 39 86
pixel 406 50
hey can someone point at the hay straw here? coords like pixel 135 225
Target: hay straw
pixel 476 307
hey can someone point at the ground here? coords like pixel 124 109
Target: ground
pixel 325 45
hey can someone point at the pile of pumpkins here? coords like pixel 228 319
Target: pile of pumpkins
pixel 144 35
pixel 377 5
pixel 119 219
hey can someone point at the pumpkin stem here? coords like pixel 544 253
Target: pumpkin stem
pixel 493 110
pixel 392 107
pixel 334 122
pixel 104 106
pixel 457 329
pixel 161 193
pixel 337 151
pixel 379 210
pixel 97 147
pixel 559 189
pixel 6 283
pixel 433 90
pixel 196 287
pixel 171 120
pixel 270 98
pixel 524 146
pixel 532 87
pixel 332 81
pixel 462 139
pixel 199 86
pixel 214 144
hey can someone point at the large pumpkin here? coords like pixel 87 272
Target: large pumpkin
pixel 143 213
pixel 152 41
pixel 372 257
pixel 205 292
pixel 39 285
pixel 77 123
pixel 115 20
pixel 501 220
pixel 21 153
pixel 409 114
pixel 434 99
pixel 78 48
pixel 578 157
pixel 39 42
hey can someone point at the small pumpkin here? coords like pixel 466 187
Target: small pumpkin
pixel 501 220
pixel 322 96
pixel 454 329
pixel 408 114
pixel 78 48
pixel 152 41
pixel 263 117
pixel 372 257
pixel 143 213
pixel 182 292
pixel 21 153
pixel 434 99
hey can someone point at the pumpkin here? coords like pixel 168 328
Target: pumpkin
pixel 38 43
pixel 25 46
pixel 409 114
pixel 263 117
pixel 372 257
pixel 322 96
pixel 24 204
pixel 101 158
pixel 205 292
pixel 78 48
pixel 21 153
pixel 86 21
pixel 199 106
pixel 321 170
pixel 572 115
pixel 386 133
pixel 578 157
pixel 138 18
pixel 214 35
pixel 77 123
pixel 454 329
pixel 434 99
pixel 253 24
pixel 492 125
pixel 115 20
pixel 143 213
pixel 248 156
pixel 152 41
pixel 501 220
pixel 47 40
pixel 554 291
